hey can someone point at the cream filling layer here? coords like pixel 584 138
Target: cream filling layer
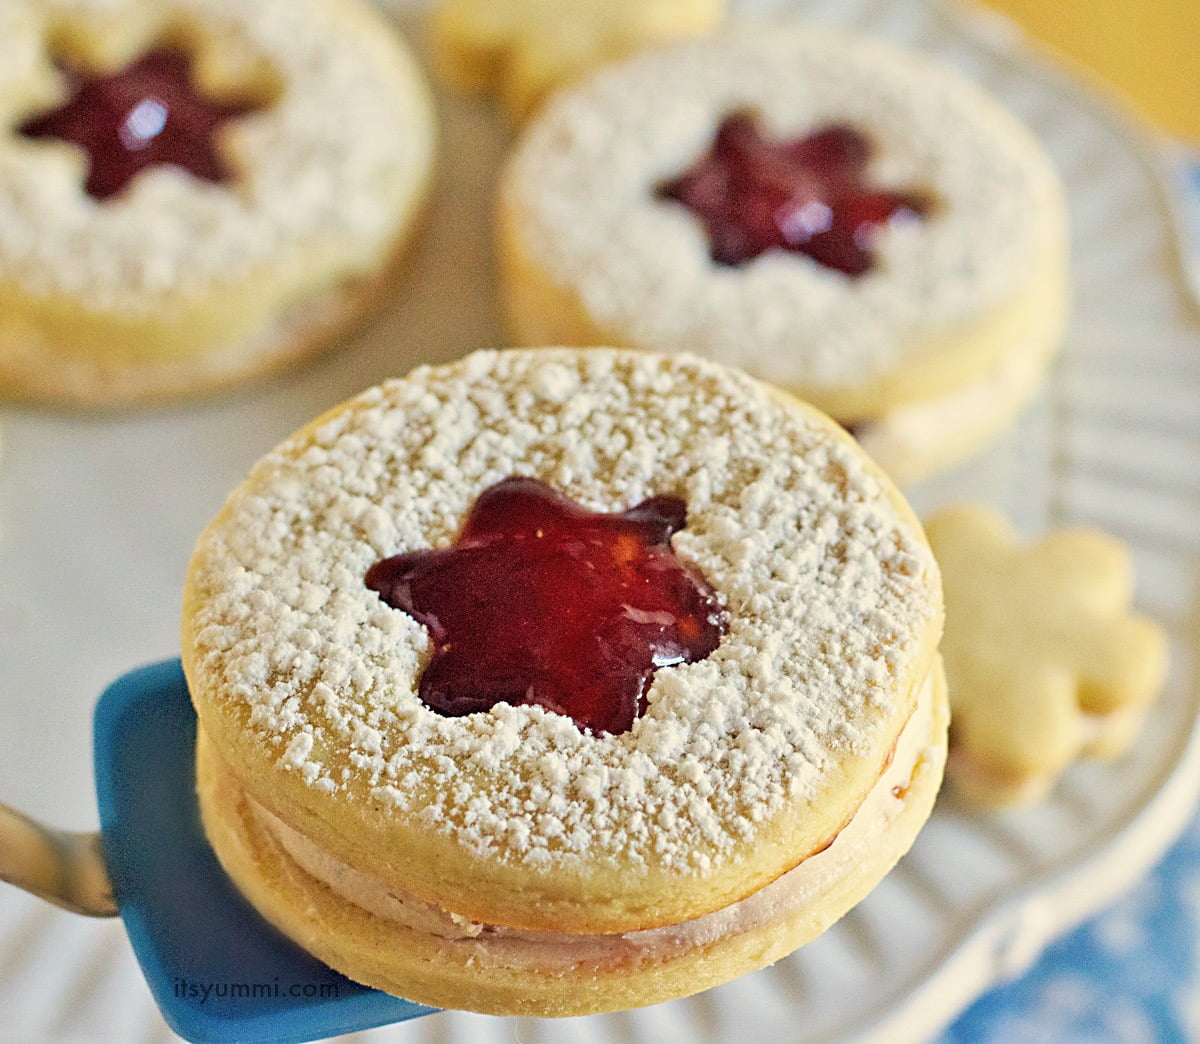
pixel 514 947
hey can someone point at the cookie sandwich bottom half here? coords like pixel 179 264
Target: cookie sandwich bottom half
pixel 402 945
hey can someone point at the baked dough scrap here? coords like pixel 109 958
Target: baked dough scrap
pixel 1045 660
pixel 523 49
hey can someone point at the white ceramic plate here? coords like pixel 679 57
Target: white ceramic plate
pixel 97 516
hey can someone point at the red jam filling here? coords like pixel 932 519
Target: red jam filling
pixel 809 196
pixel 542 602
pixel 146 115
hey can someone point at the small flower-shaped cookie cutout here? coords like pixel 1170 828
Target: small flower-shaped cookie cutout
pixel 1045 660
pixel 523 49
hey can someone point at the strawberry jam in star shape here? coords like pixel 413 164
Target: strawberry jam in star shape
pixel 808 196
pixel 146 115
pixel 541 601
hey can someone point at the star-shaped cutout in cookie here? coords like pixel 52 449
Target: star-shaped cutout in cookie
pixel 1044 657
pixel 523 49
pixel 809 196
pixel 541 601
pixel 147 114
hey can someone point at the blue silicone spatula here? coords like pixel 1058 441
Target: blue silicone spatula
pixel 218 972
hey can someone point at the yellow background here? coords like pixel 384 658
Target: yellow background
pixel 1150 49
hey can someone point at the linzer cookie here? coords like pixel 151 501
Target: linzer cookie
pixel 193 191
pixel 562 681
pixel 838 217
pixel 1047 662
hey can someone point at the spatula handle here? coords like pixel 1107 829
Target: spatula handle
pixel 63 868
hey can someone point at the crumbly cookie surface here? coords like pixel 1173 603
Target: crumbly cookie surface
pixel 312 183
pixel 1044 654
pixel 580 196
pixel 831 590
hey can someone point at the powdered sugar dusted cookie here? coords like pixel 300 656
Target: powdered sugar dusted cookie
pixel 195 190
pixel 1045 659
pixel 523 49
pixel 838 217
pixel 562 681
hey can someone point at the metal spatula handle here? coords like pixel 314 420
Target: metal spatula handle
pixel 63 868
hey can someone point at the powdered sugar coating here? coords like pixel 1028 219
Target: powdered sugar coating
pixel 581 193
pixel 324 172
pixel 830 594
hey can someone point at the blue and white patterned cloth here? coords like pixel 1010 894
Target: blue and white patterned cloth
pixel 1131 975
pixel 1187 170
